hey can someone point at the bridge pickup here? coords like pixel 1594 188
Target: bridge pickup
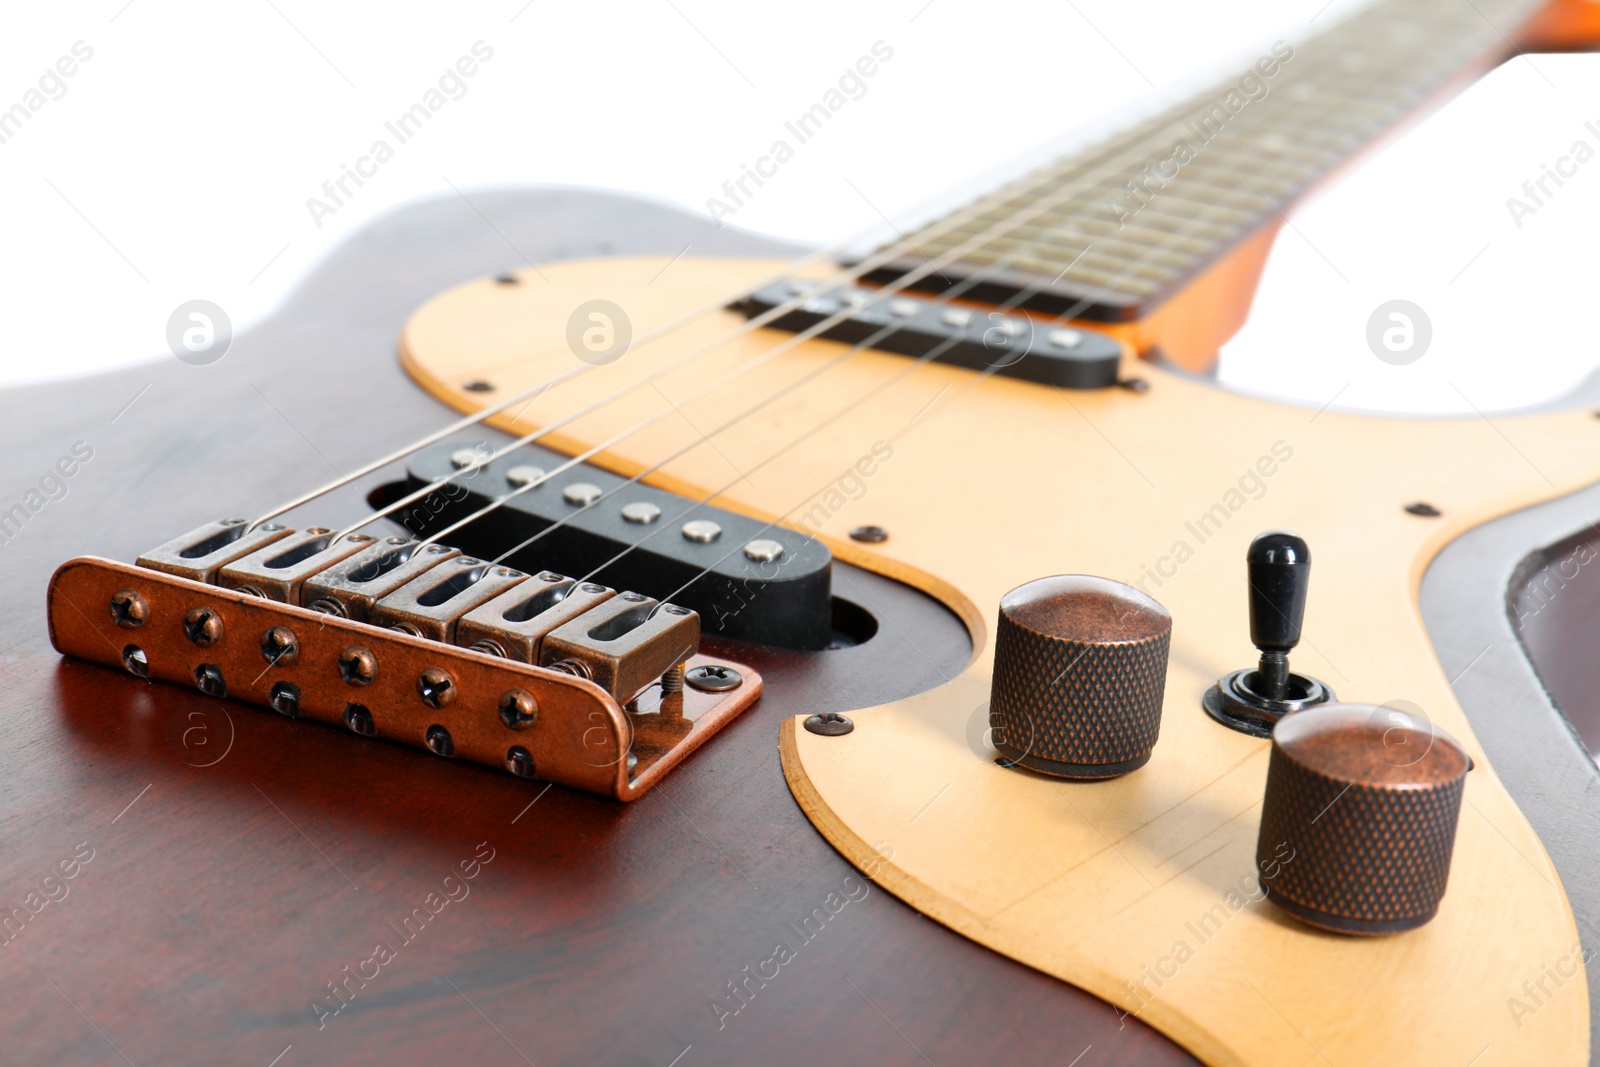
pixel 971 337
pixel 626 535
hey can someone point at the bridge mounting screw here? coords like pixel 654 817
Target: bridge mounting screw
pixel 279 646
pixel 437 688
pixel 829 724
pixel 713 678
pixel 203 626
pixel 518 709
pixel 357 665
pixel 129 609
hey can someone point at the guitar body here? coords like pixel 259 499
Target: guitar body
pixel 191 880
pixel 242 862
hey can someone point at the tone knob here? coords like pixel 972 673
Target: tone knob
pixel 1359 819
pixel 1278 568
pixel 1080 668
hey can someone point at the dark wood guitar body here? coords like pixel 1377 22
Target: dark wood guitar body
pixel 244 869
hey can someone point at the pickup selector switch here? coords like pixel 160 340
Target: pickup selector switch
pixel 1252 701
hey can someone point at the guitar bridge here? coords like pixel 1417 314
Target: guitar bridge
pixel 539 675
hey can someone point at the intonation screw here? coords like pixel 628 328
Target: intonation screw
pixel 672 679
pixel 437 689
pixel 280 647
pixel 129 609
pixel 203 626
pixel 357 665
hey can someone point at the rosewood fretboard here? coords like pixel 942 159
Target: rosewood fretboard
pixel 1121 225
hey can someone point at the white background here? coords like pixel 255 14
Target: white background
pixel 178 162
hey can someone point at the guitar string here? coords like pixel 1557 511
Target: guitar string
pixel 967 386
pixel 878 295
pixel 532 393
pixel 893 326
pixel 865 344
pixel 1088 169
pixel 839 277
pixel 1206 214
pixel 1104 159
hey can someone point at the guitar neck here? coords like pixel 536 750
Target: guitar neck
pixel 1108 233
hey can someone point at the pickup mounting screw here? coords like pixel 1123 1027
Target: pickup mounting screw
pixel 203 626
pixel 280 647
pixel 713 678
pixel 437 689
pixel 357 665
pixel 518 709
pixel 829 724
pixel 129 609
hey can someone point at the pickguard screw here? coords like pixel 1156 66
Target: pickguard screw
pixel 437 689
pixel 203 626
pixel 478 385
pixel 829 724
pixel 871 535
pixel 280 647
pixel 357 665
pixel 129 609
pixel 1425 510
pixel 713 678
pixel 518 709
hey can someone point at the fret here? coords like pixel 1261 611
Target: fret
pixel 1128 222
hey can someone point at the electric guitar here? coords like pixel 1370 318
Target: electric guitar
pixel 647 709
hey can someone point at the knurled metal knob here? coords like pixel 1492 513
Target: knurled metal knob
pixel 1359 819
pixel 1079 672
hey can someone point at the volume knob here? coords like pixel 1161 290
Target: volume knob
pixel 1080 669
pixel 1359 819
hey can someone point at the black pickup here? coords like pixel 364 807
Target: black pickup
pixel 781 598
pixel 914 325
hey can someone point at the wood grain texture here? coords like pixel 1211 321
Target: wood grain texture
pixel 242 861
pixel 994 482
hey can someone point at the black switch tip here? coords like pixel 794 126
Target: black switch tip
pixel 1280 575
